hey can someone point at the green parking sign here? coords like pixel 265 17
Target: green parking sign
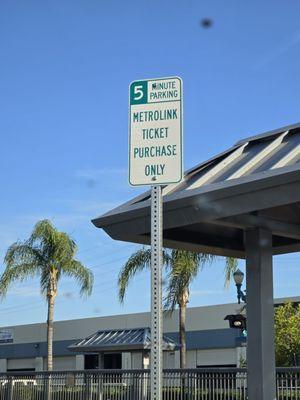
pixel 155 131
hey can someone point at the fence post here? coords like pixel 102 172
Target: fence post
pixel 10 388
pixel 137 385
pixel 183 386
pixel 47 387
pixel 100 386
pixel 88 386
pixel 131 379
pixel 145 383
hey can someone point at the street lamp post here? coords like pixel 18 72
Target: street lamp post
pixel 238 321
pixel 238 277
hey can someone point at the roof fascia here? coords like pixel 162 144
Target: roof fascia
pixel 231 188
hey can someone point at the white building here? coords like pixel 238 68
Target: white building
pixel 210 342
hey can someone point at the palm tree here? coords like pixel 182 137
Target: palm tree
pixel 231 266
pixel 183 268
pixel 47 254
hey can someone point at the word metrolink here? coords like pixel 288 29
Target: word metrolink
pixel 156 115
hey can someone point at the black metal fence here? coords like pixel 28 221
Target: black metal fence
pixel 194 384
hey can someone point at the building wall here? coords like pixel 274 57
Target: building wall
pixel 62 363
pixel 191 357
pixel 137 360
pixel 169 360
pixel 209 340
pixel 224 357
pixel 126 360
pixel 21 363
pixel 3 365
pixel 198 318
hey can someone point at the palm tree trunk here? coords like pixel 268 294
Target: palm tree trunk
pixel 50 332
pixel 182 334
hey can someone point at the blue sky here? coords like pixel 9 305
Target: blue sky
pixel 65 67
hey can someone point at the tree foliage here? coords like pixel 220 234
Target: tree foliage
pixel 182 266
pixel 48 254
pixel 231 266
pixel 287 334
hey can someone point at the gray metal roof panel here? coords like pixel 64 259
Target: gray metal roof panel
pixel 214 190
pixel 252 156
pixel 268 134
pixel 273 132
pixel 259 173
pixel 139 338
pixel 247 159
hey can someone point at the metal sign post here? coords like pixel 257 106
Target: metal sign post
pixel 156 293
pixel 155 158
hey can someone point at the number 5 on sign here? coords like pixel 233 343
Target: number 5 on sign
pixel 138 92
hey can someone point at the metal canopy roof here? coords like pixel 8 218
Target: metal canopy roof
pixel 120 339
pixel 256 183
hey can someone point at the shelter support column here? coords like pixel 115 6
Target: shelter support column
pixel 260 315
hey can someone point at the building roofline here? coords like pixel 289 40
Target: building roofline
pixel 276 300
pixel 269 134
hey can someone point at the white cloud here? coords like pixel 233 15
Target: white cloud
pixel 278 52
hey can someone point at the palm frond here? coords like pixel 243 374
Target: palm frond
pixel 189 261
pixel 184 267
pixel 17 273
pixel 173 292
pixel 56 246
pixel 42 236
pixel 83 276
pixel 45 279
pixel 19 253
pixel 231 266
pixel 22 261
pixel 49 253
pixel 137 262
